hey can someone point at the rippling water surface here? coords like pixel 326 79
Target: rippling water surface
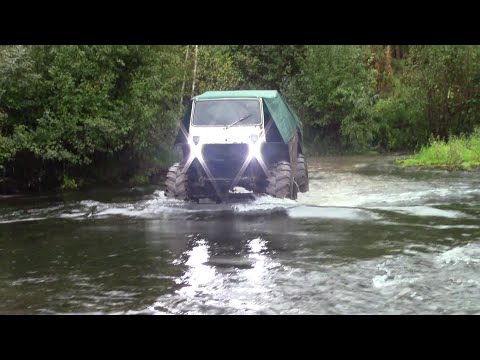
pixel 367 239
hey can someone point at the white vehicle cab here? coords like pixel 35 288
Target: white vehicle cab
pixel 251 139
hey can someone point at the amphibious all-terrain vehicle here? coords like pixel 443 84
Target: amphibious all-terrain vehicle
pixel 251 139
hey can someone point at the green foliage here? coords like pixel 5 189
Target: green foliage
pixel 216 70
pixel 109 114
pixel 265 67
pixel 459 153
pixel 74 104
pixel 445 81
pixel 337 89
pixel 139 179
pixel 401 116
pixel 68 184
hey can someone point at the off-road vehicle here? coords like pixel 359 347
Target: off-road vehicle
pixel 229 139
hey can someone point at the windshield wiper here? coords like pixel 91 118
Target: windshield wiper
pixel 237 121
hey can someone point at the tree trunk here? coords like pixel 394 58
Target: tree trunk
pixel 398 52
pixel 184 77
pixel 195 70
pixel 388 61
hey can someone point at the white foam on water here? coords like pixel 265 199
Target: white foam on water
pixel 335 193
pixel 390 279
pixel 32 280
pixel 159 204
pixel 264 203
pixel 423 210
pixel 348 189
pixel 74 215
pixel 90 203
pixel 467 254
pixel 331 213
pixel 21 220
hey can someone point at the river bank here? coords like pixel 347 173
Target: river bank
pixel 458 153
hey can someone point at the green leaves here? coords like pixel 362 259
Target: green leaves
pixel 445 79
pixel 459 153
pixel 216 70
pixel 336 83
pixel 71 104
pixel 77 109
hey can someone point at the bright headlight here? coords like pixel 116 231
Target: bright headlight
pixel 255 149
pixel 195 147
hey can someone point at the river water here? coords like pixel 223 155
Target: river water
pixel 368 238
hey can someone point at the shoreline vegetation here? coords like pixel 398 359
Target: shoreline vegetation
pixel 458 153
pixel 76 116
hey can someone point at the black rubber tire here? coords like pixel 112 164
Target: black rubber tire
pixel 176 183
pixel 280 180
pixel 301 175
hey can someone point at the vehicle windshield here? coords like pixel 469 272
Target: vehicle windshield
pixel 227 112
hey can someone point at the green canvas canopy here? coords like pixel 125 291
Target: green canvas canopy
pixel 283 115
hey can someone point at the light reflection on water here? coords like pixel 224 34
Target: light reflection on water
pixel 363 240
pixel 232 281
pixel 198 274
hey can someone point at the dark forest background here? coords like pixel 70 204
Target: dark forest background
pixel 73 116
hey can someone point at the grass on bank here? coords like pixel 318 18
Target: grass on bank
pixel 459 153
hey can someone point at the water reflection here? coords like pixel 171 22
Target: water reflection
pixel 356 243
pixel 259 275
pixel 198 274
pixel 221 278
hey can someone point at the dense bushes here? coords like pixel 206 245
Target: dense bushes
pixel 458 153
pixel 70 110
pixel 70 115
pixel 371 100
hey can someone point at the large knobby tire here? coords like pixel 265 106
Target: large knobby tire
pixel 301 175
pixel 176 184
pixel 279 182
